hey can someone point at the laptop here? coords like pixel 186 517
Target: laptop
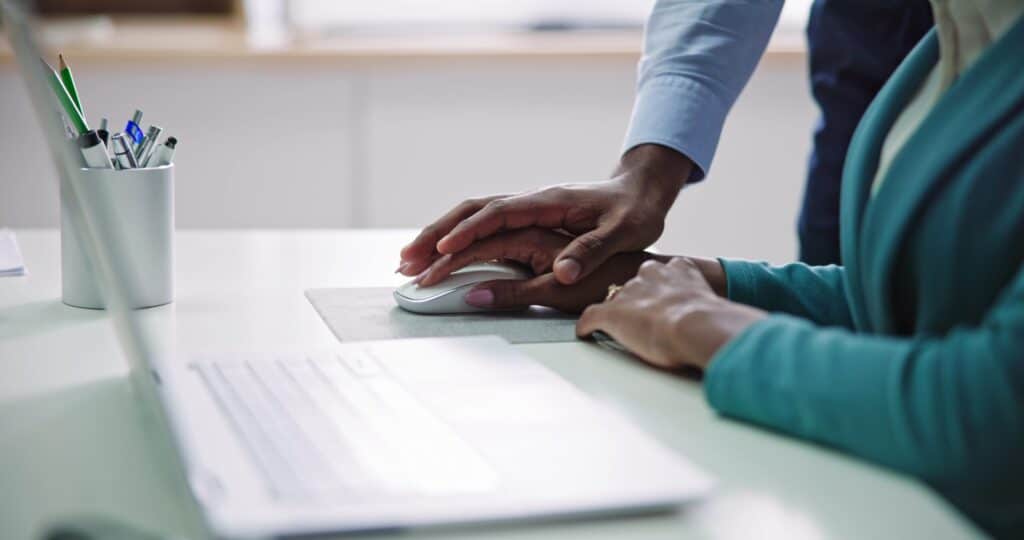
pixel 370 436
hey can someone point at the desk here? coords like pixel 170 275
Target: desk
pixel 71 439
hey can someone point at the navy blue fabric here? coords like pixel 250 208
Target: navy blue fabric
pixel 853 47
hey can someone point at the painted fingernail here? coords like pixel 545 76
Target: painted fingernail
pixel 568 269
pixel 479 297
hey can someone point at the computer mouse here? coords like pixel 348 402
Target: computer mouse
pixel 446 296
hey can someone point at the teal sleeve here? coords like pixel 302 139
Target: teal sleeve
pixel 815 293
pixel 948 409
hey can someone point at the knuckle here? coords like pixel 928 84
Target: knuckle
pixel 497 206
pixel 649 267
pixel 559 192
pixel 471 204
pixel 631 287
pixel 590 242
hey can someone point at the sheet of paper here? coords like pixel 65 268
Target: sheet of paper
pixel 11 263
pixel 360 314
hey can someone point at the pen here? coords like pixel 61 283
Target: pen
pixel 144 150
pixel 132 127
pixel 164 154
pixel 69 83
pixel 123 155
pixel 94 151
pixel 102 132
pixel 65 100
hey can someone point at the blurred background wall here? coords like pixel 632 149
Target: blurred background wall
pixel 303 125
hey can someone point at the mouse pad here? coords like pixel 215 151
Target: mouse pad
pixel 361 314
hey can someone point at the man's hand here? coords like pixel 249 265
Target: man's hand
pixel 536 247
pixel 624 214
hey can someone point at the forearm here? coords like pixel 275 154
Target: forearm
pixel 815 293
pixel 946 410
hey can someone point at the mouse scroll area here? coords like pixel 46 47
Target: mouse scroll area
pixel 447 296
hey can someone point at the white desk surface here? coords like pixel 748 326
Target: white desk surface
pixel 71 440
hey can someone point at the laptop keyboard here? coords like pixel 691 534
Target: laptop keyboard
pixel 336 425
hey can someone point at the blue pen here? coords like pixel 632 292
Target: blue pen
pixel 132 128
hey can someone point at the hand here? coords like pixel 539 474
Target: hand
pixel 537 248
pixel 626 213
pixel 669 315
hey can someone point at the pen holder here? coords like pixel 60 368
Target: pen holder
pixel 134 214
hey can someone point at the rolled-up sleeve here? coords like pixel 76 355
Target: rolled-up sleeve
pixel 698 55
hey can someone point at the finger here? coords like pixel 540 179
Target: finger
pixel 414 268
pixel 425 243
pixel 512 293
pixel 504 214
pixel 592 320
pixel 534 247
pixel 587 253
pixel 689 268
pixel 650 267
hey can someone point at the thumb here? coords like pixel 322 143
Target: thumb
pixel 510 293
pixel 585 254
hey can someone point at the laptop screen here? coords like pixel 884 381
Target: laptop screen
pixel 83 212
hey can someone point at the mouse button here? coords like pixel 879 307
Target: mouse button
pixel 483 267
pixel 414 292
pixel 493 269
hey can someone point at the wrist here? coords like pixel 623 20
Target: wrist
pixel 658 172
pixel 713 273
pixel 703 329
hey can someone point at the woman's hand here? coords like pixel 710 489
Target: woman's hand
pixel 624 214
pixel 669 315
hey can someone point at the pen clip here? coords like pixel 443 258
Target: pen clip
pixel 134 131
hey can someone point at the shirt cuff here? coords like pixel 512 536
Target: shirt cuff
pixel 679 113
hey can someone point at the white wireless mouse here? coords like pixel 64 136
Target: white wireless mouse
pixel 446 296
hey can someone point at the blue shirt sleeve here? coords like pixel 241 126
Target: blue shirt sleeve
pixel 698 55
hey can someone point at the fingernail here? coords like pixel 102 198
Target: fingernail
pixel 568 268
pixel 402 267
pixel 479 297
pixel 419 277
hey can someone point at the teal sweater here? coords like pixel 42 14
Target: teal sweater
pixel 912 354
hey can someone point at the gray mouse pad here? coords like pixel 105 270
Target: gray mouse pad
pixel 360 314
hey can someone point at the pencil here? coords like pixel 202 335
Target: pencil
pixel 65 100
pixel 69 84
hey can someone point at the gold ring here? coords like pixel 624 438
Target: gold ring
pixel 613 289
